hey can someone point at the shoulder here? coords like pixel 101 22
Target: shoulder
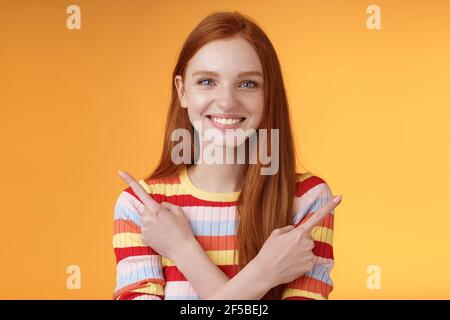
pixel 311 193
pixel 157 188
pixel 307 183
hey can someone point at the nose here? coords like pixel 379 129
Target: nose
pixel 227 98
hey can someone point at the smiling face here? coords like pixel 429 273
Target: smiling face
pixel 223 88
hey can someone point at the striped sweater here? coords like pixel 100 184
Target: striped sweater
pixel 142 274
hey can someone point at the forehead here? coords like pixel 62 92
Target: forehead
pixel 230 55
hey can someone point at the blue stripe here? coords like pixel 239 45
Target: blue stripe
pixel 125 213
pixel 139 274
pixel 316 204
pixel 213 228
pixel 319 202
pixel 321 272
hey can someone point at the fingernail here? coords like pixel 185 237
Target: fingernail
pixel 120 173
pixel 337 199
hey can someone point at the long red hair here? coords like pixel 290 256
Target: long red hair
pixel 266 201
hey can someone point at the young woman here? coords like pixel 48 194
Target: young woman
pixel 220 230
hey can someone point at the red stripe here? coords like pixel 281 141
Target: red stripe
pixel 132 295
pixel 297 298
pixel 124 291
pixel 184 200
pixel 171 273
pixel 327 221
pixel 122 253
pixel 121 226
pixel 209 243
pixel 312 285
pixel 302 187
pixel 323 250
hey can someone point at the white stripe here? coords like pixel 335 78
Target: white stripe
pixel 303 204
pixel 128 200
pixel 129 264
pixel 202 213
pixel 147 297
pixel 321 261
pixel 179 288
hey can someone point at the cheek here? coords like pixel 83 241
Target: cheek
pixel 256 109
pixel 196 107
pixel 194 111
pixel 197 104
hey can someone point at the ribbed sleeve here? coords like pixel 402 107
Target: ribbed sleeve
pixel 143 274
pixel 315 284
pixel 139 274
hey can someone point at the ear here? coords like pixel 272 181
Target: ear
pixel 181 90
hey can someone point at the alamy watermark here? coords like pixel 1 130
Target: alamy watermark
pixel 374 280
pixel 227 147
pixel 73 281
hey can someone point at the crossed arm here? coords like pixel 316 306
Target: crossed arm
pixel 212 283
pixel 252 282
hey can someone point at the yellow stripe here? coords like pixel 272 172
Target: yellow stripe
pixel 127 239
pixel 151 288
pixel 212 196
pixel 303 176
pixel 290 292
pixel 187 187
pixel 167 189
pixel 322 234
pixel 219 257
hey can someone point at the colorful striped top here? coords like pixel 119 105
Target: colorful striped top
pixel 142 274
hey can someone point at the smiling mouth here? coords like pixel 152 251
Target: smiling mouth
pixel 226 121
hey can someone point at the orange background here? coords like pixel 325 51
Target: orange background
pixel 370 110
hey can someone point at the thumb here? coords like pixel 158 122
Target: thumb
pixel 286 228
pixel 171 207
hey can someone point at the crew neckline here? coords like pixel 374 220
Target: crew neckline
pixel 206 195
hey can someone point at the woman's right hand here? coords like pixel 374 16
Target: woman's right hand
pixel 287 253
pixel 164 227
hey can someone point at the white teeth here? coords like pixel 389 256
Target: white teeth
pixel 226 121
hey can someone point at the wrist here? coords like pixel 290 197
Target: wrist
pixel 185 252
pixel 263 274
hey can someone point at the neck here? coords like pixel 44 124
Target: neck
pixel 217 177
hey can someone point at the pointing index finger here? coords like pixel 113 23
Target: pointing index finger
pixel 321 213
pixel 139 191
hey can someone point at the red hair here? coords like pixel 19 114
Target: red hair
pixel 266 201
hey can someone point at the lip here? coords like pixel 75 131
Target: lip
pixel 225 116
pixel 225 126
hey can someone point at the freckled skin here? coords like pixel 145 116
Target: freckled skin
pixel 227 92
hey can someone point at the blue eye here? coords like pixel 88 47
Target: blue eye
pixel 254 84
pixel 208 82
pixel 203 80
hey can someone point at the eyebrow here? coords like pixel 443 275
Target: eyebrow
pixel 212 73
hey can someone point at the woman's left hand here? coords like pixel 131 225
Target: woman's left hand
pixel 164 227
